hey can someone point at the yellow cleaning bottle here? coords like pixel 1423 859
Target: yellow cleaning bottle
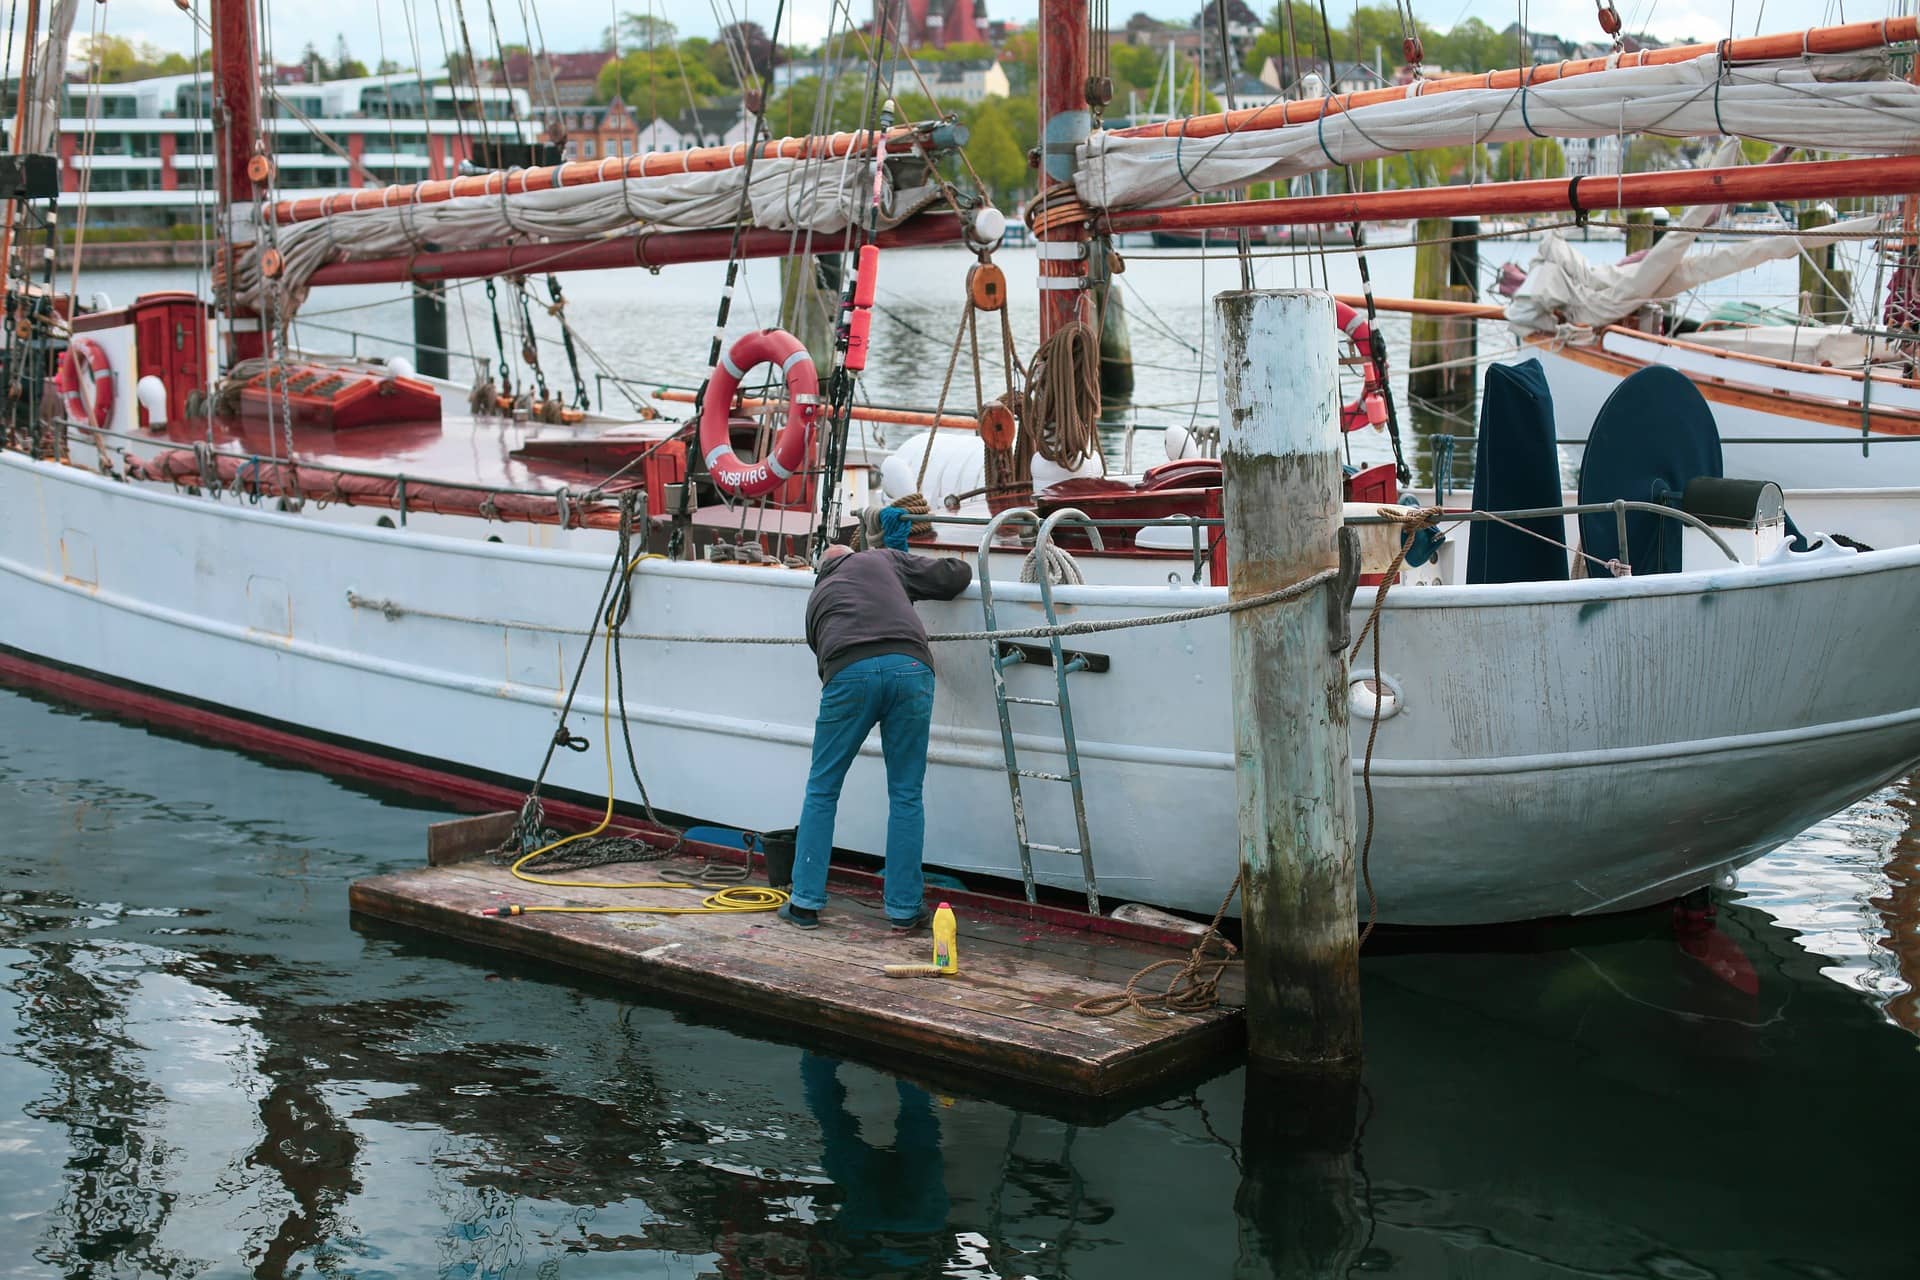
pixel 946 940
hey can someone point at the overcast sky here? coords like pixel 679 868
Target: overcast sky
pixel 569 25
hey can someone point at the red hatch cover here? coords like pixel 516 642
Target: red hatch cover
pixel 337 399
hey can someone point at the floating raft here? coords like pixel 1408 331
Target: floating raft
pixel 1007 1019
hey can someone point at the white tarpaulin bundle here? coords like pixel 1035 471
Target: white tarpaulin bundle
pixel 1837 102
pixel 786 195
pixel 1565 287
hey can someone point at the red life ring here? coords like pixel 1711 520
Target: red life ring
pixel 789 452
pixel 1369 408
pixel 84 362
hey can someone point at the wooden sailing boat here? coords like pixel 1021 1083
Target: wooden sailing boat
pixel 412 599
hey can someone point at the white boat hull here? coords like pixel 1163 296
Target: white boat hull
pixel 1758 440
pixel 1561 747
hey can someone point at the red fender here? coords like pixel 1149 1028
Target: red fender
pixel 789 452
pixel 85 376
pixel 1369 409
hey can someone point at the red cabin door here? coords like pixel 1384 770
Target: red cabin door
pixel 170 339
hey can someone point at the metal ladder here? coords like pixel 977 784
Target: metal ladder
pixel 1003 654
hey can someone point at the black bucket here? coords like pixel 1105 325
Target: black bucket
pixel 777 848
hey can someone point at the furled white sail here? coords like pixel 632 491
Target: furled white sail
pixel 1840 102
pixel 1564 287
pixel 41 125
pixel 786 195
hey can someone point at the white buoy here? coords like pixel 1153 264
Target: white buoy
pixel 152 395
pixel 989 225
pixel 400 367
pixel 1178 442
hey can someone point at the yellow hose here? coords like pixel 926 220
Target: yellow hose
pixel 724 899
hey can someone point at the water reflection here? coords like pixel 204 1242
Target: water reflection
pixel 1899 909
pixel 892 1215
pixel 212 1072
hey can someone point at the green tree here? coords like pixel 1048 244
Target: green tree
pixel 121 60
pixel 996 153
pixel 643 31
pixel 662 80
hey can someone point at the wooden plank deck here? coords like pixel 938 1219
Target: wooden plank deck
pixel 1006 1020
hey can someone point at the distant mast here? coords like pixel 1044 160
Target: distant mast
pixel 236 87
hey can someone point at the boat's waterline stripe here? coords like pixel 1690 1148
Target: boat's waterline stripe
pixel 979 748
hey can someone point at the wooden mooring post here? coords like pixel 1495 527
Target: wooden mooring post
pixel 430 328
pixel 1279 403
pixel 1440 355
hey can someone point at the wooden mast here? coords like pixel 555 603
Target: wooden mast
pixel 236 90
pixel 22 87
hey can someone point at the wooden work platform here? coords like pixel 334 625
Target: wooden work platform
pixel 1007 1019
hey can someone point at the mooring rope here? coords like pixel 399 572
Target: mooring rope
pixel 1411 520
pixel 1063 395
pixel 1194 988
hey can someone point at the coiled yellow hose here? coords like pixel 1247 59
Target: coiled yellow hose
pixel 724 899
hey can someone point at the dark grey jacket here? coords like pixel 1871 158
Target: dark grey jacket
pixel 862 605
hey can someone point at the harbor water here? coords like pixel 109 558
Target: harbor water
pixel 209 1069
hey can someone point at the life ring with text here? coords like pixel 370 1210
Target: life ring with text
pixel 85 363
pixel 789 452
pixel 1369 408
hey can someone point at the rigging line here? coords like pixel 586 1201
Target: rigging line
pixel 473 71
pixel 1243 238
pixel 742 216
pixel 386 91
pixel 693 108
pixel 94 72
pixel 506 76
pixel 412 12
pixel 540 50
pixel 453 83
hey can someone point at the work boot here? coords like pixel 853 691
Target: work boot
pixel 799 917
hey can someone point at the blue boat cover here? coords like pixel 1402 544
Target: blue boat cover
pixel 1516 464
pixel 1654 433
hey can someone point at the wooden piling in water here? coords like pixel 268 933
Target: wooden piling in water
pixel 1279 401
pixel 1116 344
pixel 1639 230
pixel 430 328
pixel 1825 290
pixel 1440 353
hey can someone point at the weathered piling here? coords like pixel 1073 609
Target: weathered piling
pixel 1298 1203
pixel 809 305
pixel 1446 265
pixel 1825 290
pixel 1116 344
pixel 1639 230
pixel 1279 400
pixel 430 328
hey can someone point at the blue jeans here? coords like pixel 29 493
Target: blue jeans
pixel 896 693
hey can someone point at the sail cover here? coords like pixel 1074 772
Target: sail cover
pixel 1834 102
pixel 798 195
